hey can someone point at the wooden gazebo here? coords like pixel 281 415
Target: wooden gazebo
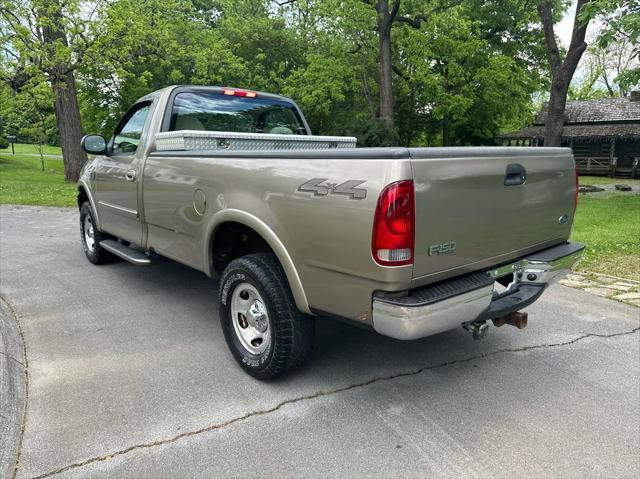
pixel 604 135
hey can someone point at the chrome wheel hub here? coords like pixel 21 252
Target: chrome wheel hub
pixel 250 318
pixel 87 227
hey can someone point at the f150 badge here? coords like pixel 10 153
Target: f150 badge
pixel 347 188
pixel 442 248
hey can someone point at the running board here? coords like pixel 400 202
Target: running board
pixel 131 255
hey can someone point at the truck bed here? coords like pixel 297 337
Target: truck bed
pixel 460 199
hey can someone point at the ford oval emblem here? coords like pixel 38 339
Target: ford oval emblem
pixel 563 219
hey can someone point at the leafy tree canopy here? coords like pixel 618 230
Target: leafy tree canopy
pixel 461 71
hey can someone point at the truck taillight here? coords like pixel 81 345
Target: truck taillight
pixel 394 225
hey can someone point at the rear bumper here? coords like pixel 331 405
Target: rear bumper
pixel 446 305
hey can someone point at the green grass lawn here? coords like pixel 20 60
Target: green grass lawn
pixel 22 182
pixel 605 180
pixel 23 148
pixel 610 227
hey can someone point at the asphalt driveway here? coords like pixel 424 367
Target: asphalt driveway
pixel 129 376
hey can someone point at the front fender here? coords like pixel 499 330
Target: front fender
pixel 272 240
pixel 85 183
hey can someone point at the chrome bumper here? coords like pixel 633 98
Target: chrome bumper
pixel 446 305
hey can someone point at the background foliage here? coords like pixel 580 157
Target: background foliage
pixel 462 71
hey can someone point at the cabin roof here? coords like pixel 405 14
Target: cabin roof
pixel 602 118
pixel 606 110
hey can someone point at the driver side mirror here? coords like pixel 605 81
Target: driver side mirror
pixel 94 144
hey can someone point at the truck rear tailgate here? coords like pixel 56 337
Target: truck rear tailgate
pixel 467 218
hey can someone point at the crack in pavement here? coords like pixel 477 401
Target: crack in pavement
pixel 11 357
pixel 25 368
pixel 318 394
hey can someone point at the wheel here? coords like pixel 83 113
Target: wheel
pixel 91 236
pixel 266 333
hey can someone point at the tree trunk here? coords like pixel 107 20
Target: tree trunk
pixel 561 70
pixel 446 131
pixel 554 123
pixel 385 22
pixel 64 89
pixel 386 86
pixel 68 120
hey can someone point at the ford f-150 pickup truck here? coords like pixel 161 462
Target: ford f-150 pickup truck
pixel 408 242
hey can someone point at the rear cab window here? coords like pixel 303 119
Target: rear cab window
pixel 213 111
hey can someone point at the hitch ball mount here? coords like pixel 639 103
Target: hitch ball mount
pixel 479 329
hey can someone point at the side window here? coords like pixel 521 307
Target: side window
pixel 128 135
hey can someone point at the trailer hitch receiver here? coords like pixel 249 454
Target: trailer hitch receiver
pixel 517 319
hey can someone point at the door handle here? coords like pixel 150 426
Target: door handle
pixel 130 175
pixel 515 175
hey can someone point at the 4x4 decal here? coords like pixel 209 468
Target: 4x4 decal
pixel 347 188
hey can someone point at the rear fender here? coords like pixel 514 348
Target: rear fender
pixel 272 240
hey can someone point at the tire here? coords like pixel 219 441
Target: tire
pixel 256 302
pixel 93 251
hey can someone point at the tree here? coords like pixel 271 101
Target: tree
pixel 48 37
pixel 5 113
pixel 387 15
pixel 562 69
pixel 605 70
pixel 458 83
pixel 145 45
pixel 35 104
pixel 461 71
pixel 356 24
pixel 29 114
pixel 621 19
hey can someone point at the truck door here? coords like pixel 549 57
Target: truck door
pixel 117 178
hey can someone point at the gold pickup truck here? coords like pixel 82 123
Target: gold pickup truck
pixel 408 242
